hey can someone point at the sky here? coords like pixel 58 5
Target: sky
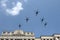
pixel 14 12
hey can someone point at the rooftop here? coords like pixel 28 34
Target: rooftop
pixel 17 33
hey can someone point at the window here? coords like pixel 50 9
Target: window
pixel 18 39
pixel 28 33
pixel 58 37
pixel 11 39
pixel 32 39
pixel 47 39
pixel 4 32
pixel 8 32
pixel 6 39
pixel 28 39
pixel 50 39
pixel 43 39
pixel 2 39
pixel 24 39
pixel 12 32
pixel 31 33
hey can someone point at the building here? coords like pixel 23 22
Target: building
pixel 51 37
pixel 22 35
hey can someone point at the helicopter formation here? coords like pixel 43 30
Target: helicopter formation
pixel 36 13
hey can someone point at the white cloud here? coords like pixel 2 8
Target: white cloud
pixel 3 3
pixel 15 10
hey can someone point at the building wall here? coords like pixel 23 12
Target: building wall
pixel 47 38
pixel 37 38
pixel 21 35
pixel 16 38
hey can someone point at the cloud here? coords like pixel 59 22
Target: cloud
pixel 3 3
pixel 15 10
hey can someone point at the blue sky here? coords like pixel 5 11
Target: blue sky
pixel 14 12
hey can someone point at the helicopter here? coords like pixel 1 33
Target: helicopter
pixel 27 19
pixel 45 24
pixel 37 12
pixel 42 19
pixel 19 26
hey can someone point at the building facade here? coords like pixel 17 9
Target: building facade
pixel 22 35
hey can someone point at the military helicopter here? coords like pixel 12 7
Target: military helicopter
pixel 37 12
pixel 27 19
pixel 45 24
pixel 19 26
pixel 42 19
